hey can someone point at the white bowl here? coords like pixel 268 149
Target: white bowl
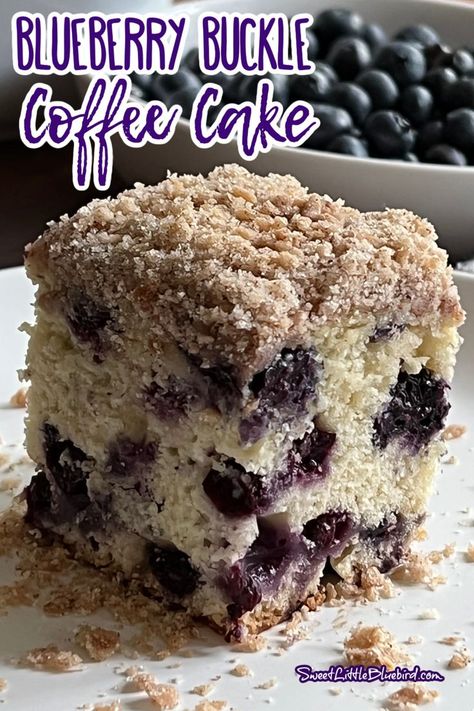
pixel 443 194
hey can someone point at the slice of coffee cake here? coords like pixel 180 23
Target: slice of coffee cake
pixel 233 380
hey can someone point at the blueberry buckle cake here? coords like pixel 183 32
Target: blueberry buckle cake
pixel 235 382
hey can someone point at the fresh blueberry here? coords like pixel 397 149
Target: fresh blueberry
pixel 313 46
pixel 349 56
pixel 348 145
pixel 461 60
pixel 416 104
pixel 410 157
pixel 439 81
pixel 314 87
pixel 380 87
pixel 334 121
pixel 164 86
pixel 461 94
pixel 389 134
pixel 444 154
pixel 420 34
pixel 437 55
pixel 138 94
pixel 229 85
pixel 325 68
pixel 404 62
pixel 416 411
pixel 191 61
pixel 142 81
pixel 459 129
pixel 282 390
pixel 332 24
pixel 374 35
pixel 183 97
pixel 329 531
pixel 353 98
pixel 430 134
pixel 247 87
pixel 173 570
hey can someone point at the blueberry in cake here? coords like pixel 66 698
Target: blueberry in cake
pixel 233 382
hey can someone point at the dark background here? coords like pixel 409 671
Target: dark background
pixel 35 187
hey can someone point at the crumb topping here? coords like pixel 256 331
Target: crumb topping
pixel 454 432
pixel 374 646
pixel 98 642
pixel 203 689
pixel 460 659
pixel 236 265
pixel 3 684
pixel 252 643
pixel 19 398
pixel 52 659
pixel 211 706
pixel 163 696
pixel 241 670
pixel 269 684
pixel 469 555
pixel 410 696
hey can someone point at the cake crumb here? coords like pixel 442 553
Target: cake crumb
pixel 469 554
pixel 9 483
pixel 269 684
pixel 3 684
pixel 375 585
pixel 164 696
pixel 210 706
pixel 454 432
pixel 19 398
pixel 241 670
pixel 114 705
pixel 335 691
pixel 374 646
pixel 414 639
pixel 252 643
pixel 421 534
pixel 429 614
pixel 4 459
pixel 460 659
pixel 98 642
pixel 203 689
pixel 416 568
pixel 452 640
pixel 51 658
pixel 410 696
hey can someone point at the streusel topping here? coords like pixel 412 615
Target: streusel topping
pixel 237 265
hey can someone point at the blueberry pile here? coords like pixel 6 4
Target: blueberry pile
pixel 409 97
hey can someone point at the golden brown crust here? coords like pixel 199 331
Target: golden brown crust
pixel 236 265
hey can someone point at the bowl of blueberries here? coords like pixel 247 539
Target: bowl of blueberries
pixel 393 89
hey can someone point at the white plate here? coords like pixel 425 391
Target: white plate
pixel 443 194
pixel 451 521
